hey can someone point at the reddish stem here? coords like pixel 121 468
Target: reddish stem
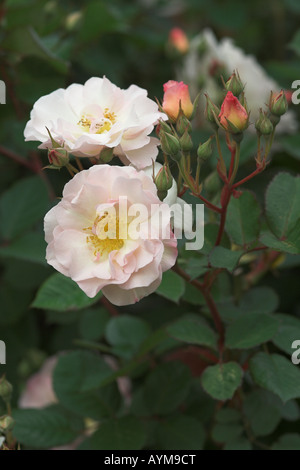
pixel 208 204
pixel 249 177
pixel 225 198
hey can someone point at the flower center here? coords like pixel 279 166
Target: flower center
pixel 104 235
pixel 95 125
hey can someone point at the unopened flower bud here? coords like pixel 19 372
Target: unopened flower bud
pixel 58 157
pixel 164 180
pixel 178 40
pixel 278 104
pixel 176 97
pixel 6 390
pixel 205 150
pixel 263 124
pixel 234 84
pixel 183 124
pixel 233 117
pixel 6 423
pixel 169 144
pixel 186 142
pixel 211 112
pixel 106 154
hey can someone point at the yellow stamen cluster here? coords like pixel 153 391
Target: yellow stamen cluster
pixel 104 124
pixel 103 246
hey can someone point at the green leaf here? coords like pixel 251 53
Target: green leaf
pixel 238 444
pixel 250 330
pixel 290 245
pixel 126 333
pixel 277 374
pixel 257 300
pixel 166 387
pixel 263 414
pixel 287 442
pixel 181 432
pixel 29 247
pixel 172 286
pixel 76 381
pixel 60 293
pixel 288 332
pixel 242 220
pixel 126 433
pixel 192 295
pixel 92 323
pixel 226 432
pixel 193 331
pixel 227 415
pixel 22 206
pixel 196 267
pixel 282 204
pixel 46 428
pixel 223 258
pixel 222 380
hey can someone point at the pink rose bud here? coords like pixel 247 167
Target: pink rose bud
pixel 178 40
pixel 233 116
pixel 278 104
pixel 288 95
pixel 176 94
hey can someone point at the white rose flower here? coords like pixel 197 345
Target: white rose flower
pixel 87 118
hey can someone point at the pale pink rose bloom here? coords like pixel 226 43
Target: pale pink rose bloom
pixel 126 268
pixel 87 118
pixel 176 93
pixel 39 391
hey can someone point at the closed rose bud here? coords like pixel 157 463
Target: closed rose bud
pixel 263 125
pixel 186 142
pixel 278 103
pixel 205 150
pixel 234 84
pixel 58 157
pixel 163 180
pixel 6 390
pixel 211 112
pixel 178 40
pixel 176 95
pixel 183 124
pixel 169 144
pixel 233 116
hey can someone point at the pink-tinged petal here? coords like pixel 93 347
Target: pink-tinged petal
pixel 118 296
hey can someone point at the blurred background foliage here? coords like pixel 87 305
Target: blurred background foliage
pixel 45 45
